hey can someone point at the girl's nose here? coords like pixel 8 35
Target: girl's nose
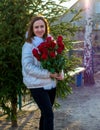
pixel 40 29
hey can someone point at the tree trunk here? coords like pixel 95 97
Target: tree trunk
pixel 14 111
pixel 88 50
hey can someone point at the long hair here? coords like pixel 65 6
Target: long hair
pixel 30 34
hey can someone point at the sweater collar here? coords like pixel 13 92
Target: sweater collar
pixel 37 40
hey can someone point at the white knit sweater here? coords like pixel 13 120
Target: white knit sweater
pixel 34 76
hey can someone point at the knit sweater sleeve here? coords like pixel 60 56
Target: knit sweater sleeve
pixel 30 65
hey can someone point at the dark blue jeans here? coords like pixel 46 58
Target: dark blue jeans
pixel 45 100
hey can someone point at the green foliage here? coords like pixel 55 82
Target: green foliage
pixel 12 31
pixel 68 30
pixel 14 18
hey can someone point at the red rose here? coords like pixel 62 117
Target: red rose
pixel 42 46
pixel 59 50
pixel 52 54
pixel 48 45
pixel 44 56
pixel 61 44
pixel 45 51
pixel 36 54
pixel 53 44
pixel 48 39
pixel 60 38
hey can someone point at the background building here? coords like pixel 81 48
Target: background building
pixel 82 4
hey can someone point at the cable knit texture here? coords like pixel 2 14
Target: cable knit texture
pixel 34 76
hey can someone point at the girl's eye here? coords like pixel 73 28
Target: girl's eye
pixel 36 27
pixel 42 26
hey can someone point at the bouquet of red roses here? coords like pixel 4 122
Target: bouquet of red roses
pixel 50 54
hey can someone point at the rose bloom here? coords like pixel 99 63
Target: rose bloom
pixel 36 54
pixel 59 38
pixel 44 56
pixel 59 50
pixel 61 45
pixel 53 44
pixel 42 46
pixel 52 54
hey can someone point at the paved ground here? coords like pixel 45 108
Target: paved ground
pixel 79 111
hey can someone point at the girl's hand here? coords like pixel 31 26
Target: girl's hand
pixel 53 75
pixel 57 76
pixel 60 77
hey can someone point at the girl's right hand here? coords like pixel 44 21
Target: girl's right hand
pixel 53 75
pixel 57 76
pixel 60 77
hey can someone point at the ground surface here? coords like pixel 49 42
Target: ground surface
pixel 79 111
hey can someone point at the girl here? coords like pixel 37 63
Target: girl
pixel 41 82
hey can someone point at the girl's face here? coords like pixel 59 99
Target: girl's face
pixel 39 28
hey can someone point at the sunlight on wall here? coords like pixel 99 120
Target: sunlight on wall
pixel 87 3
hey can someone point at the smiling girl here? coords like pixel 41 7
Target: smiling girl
pixel 40 82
